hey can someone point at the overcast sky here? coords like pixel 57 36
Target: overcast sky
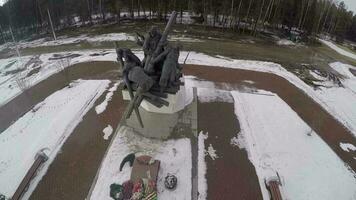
pixel 351 4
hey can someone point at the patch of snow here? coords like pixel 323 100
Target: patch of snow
pixel 347 147
pixel 249 82
pixel 102 106
pixel 175 157
pixel 322 81
pixel 343 69
pixel 343 111
pixel 212 152
pixel 47 126
pixel 277 141
pixel 8 85
pixel 202 182
pixel 192 81
pixel 340 100
pixel 62 40
pixel 107 132
pixel 238 141
pixel 338 49
pixel 214 95
pixel 335 109
pixel 285 42
pixel 207 91
pixel 183 39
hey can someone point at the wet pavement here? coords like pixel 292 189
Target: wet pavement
pixel 73 170
pixel 24 102
pixel 323 123
pixel 231 175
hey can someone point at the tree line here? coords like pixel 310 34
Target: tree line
pixel 308 17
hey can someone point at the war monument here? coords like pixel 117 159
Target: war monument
pixel 154 83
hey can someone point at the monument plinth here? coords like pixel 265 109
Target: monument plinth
pixel 176 102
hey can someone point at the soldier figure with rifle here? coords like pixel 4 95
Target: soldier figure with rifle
pixel 154 77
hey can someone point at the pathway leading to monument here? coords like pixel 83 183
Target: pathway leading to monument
pixel 232 175
pixel 72 172
pixel 328 128
pixel 73 154
pixel 22 103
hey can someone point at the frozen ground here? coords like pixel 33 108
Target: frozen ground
pixel 45 127
pixel 20 75
pixel 334 99
pixel 64 40
pixel 308 167
pixel 340 100
pixel 9 88
pixel 102 106
pixel 285 42
pixel 338 49
pixel 175 157
pixel 202 183
pixel 107 132
pixel 347 147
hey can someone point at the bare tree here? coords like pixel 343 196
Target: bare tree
pixel 247 15
pixel 238 14
pixel 306 13
pixel 50 21
pixel 258 19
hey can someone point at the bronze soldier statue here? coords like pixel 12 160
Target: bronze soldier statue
pixel 158 74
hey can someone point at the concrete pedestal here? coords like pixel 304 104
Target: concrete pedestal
pixel 161 125
pixel 176 102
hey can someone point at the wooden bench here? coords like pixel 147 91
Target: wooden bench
pixel 273 187
pixel 40 159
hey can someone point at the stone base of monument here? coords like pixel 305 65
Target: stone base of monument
pixel 176 102
pixel 162 125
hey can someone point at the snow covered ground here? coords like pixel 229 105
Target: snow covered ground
pixel 46 66
pixel 10 90
pixel 175 157
pixel 278 140
pixel 333 99
pixel 46 126
pixel 102 106
pixel 202 183
pixel 340 100
pixel 338 49
pixel 285 42
pixel 63 40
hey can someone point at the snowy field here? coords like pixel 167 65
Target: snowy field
pixel 57 113
pixel 338 49
pixel 278 140
pixel 45 64
pixel 45 127
pixel 9 89
pixel 175 157
pixel 64 40
pixel 341 100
